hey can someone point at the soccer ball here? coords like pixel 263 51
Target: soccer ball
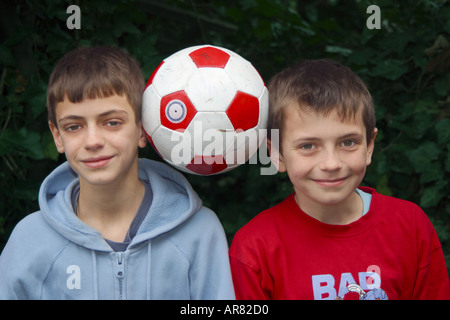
pixel 204 109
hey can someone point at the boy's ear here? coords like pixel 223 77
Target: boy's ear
pixel 275 156
pixel 143 138
pixel 371 146
pixel 56 137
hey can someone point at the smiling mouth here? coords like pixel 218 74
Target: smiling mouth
pixel 97 162
pixel 330 182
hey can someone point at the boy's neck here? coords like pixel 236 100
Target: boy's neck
pixel 111 208
pixel 342 213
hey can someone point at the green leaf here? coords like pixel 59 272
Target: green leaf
pixel 382 185
pixel 35 95
pixel 339 50
pixel 441 86
pixel 124 26
pixel 432 172
pixel 396 42
pixel 433 194
pixel 361 56
pixel 422 157
pixel 441 229
pixel 49 148
pixel 390 69
pixel 6 57
pixel 31 144
pixel 447 160
pixel 22 142
pixel 443 131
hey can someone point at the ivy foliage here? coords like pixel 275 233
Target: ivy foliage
pixel 405 63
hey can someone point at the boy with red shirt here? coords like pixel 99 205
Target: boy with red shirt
pixel 331 239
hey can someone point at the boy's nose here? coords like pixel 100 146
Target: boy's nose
pixel 330 161
pixel 94 139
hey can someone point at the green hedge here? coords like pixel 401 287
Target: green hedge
pixel 405 64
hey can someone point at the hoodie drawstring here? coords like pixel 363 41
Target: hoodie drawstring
pixel 149 268
pixel 94 272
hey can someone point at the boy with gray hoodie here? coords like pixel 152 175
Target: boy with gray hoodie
pixel 110 225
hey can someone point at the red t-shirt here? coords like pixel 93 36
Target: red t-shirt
pixel 283 253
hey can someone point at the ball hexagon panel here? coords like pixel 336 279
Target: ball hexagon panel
pixel 211 133
pixel 210 89
pixel 151 113
pixel 173 75
pixel 245 144
pixel 245 76
pixel 169 143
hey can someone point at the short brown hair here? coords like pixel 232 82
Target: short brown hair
pixel 322 86
pixel 92 73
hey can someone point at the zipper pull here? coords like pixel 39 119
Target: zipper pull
pixel 119 268
pixel 120 274
pixel 119 258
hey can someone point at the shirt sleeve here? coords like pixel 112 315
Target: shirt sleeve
pixel 247 281
pixel 20 270
pixel 251 278
pixel 432 282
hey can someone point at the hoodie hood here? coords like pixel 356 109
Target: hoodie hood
pixel 174 201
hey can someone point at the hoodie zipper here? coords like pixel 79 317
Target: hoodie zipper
pixel 120 273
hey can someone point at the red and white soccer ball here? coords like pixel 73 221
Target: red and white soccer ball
pixel 204 108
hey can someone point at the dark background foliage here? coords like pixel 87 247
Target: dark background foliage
pixel 405 64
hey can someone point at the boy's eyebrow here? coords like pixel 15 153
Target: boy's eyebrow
pixel 70 117
pixel 352 135
pixel 108 113
pixel 307 139
pixel 102 115
pixel 348 135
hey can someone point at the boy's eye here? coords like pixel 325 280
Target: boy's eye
pixel 113 123
pixel 74 127
pixel 307 146
pixel 348 143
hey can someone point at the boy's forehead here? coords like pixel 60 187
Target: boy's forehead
pixel 333 113
pixel 93 107
pixel 306 122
